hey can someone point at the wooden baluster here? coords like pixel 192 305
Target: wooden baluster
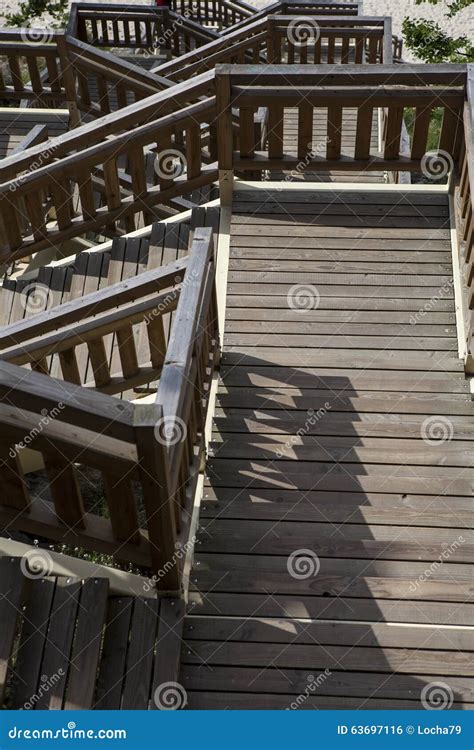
pixel 100 367
pixel 420 132
pixel 305 129
pixel 363 132
pixel 345 50
pixel 122 507
pixel 393 132
pixel 127 352
pixel 14 490
pixel 334 133
pixel 69 366
pixel 275 131
pixel 64 487
pixel 193 151
pixel 112 183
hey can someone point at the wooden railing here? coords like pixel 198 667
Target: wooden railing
pixel 30 67
pixel 333 89
pixel 215 13
pixel 276 39
pixel 464 217
pixel 299 8
pixel 315 39
pixel 104 82
pixel 148 455
pixel 142 27
pixel 160 150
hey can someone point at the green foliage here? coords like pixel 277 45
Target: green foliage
pixel 428 41
pixel 33 10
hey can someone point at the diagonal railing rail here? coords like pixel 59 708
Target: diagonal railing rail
pixel 147 454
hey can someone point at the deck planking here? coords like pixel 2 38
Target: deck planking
pixel 321 442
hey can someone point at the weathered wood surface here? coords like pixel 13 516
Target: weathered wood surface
pixel 77 646
pixel 343 430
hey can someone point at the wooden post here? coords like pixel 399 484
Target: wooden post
pixel 224 134
pixel 159 503
pixel 68 81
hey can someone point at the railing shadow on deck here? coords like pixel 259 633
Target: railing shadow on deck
pixel 149 454
pixel 301 415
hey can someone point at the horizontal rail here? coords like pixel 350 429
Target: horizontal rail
pixel 129 444
pixel 274 39
pixel 332 89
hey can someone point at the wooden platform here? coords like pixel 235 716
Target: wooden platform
pixel 68 643
pixel 16 125
pixel 332 556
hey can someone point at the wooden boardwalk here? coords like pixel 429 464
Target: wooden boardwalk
pixel 332 553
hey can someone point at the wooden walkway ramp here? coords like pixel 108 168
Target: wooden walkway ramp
pixel 331 565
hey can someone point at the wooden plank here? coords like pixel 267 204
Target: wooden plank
pixel 169 642
pixel 342 608
pixel 87 643
pixel 137 682
pixel 325 631
pixel 28 677
pixel 355 539
pixel 59 639
pixel 295 682
pixel 343 507
pixel 12 591
pixel 114 654
pixel 349 661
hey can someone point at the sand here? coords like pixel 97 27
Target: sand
pixel 463 23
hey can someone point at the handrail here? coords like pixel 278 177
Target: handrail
pixel 464 219
pixel 270 39
pixel 22 60
pixel 305 88
pixel 136 27
pixel 128 443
